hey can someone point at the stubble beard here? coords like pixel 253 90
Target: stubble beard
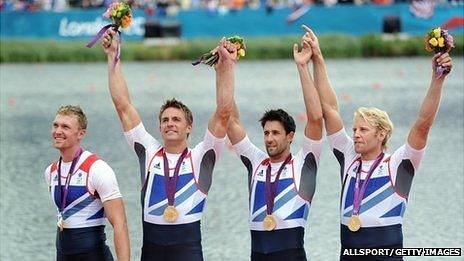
pixel 273 153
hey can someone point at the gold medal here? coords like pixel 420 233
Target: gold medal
pixel 269 223
pixel 60 223
pixel 354 223
pixel 170 214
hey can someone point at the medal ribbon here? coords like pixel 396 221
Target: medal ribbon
pixel 271 187
pixel 170 182
pixel 359 192
pixel 64 191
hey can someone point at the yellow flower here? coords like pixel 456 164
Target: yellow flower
pixel 437 32
pixel 241 53
pixel 433 42
pixel 113 13
pixel 441 42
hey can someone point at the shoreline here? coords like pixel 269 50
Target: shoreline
pixel 262 48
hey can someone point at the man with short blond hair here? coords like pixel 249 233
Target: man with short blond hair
pixel 378 119
pixel 85 191
pixel 375 185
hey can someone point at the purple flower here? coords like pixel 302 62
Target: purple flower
pixel 108 11
pixel 449 38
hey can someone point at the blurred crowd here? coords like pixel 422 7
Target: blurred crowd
pixel 169 7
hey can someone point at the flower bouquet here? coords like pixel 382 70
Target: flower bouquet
pixel 120 13
pixel 438 40
pixel 121 16
pixel 211 58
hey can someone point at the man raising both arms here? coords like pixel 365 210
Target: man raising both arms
pixel 175 178
pixel 281 185
pixel 375 185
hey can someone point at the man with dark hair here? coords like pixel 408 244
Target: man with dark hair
pixel 281 185
pixel 175 179
pixel 85 191
pixel 279 115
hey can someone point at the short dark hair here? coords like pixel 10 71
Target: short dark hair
pixel 179 105
pixel 281 116
pixel 74 110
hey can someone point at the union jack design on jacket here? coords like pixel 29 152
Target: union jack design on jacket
pixel 83 206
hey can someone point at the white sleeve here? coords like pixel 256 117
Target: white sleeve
pixel 341 142
pixel 139 135
pixel 200 154
pixel 311 146
pixel 245 148
pixel 47 175
pixel 414 155
pixel 406 152
pixel 210 142
pixel 342 147
pixel 306 167
pixel 103 180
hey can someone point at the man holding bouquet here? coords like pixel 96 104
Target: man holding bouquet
pixel 281 184
pixel 175 179
pixel 375 185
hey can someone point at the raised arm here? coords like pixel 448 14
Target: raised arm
pixel 114 211
pixel 313 129
pixel 332 119
pixel 224 88
pixel 417 138
pixel 235 130
pixel 127 113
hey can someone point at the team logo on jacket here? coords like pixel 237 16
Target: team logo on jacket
pixel 380 171
pixel 79 178
pixel 157 166
pixel 55 177
pixel 261 173
pixel 284 173
pixel 184 168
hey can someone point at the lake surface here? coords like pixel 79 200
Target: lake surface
pixel 31 94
